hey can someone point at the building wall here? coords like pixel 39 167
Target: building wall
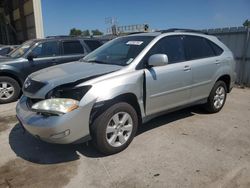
pixel 23 18
pixel 38 18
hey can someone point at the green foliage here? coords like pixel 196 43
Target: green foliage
pixel 96 32
pixel 75 32
pixel 246 23
pixel 85 33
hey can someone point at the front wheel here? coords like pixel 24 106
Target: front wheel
pixel 217 97
pixel 9 90
pixel 114 129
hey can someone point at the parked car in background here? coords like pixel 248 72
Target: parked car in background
pixel 127 81
pixel 4 50
pixel 37 54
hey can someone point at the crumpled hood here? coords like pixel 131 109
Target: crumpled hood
pixel 68 73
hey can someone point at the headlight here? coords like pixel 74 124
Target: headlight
pixel 56 106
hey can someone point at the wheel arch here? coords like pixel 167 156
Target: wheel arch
pixel 227 79
pixel 129 98
pixel 13 76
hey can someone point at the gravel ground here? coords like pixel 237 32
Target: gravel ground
pixel 187 148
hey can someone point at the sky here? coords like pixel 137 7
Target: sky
pixel 59 16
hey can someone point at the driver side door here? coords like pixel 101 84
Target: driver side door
pixel 45 54
pixel 168 86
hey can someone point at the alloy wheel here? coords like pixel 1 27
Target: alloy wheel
pixel 6 90
pixel 219 97
pixel 119 129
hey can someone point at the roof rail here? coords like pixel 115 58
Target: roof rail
pixel 182 30
pixel 136 32
pixel 63 36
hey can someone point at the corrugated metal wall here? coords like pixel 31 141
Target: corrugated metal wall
pixel 238 40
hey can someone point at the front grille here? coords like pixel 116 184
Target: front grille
pixel 32 86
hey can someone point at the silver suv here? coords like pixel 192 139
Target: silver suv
pixel 124 83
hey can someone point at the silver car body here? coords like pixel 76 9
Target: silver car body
pixel 157 90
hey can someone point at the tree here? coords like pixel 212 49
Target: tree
pixel 75 32
pixel 96 32
pixel 85 33
pixel 246 23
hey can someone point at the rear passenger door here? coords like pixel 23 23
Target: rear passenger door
pixel 72 50
pixel 201 56
pixel 168 86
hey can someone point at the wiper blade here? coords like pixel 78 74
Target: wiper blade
pixel 96 61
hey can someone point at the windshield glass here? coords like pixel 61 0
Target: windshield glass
pixel 22 49
pixel 120 51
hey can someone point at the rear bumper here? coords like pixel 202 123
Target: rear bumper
pixel 64 129
pixel 232 84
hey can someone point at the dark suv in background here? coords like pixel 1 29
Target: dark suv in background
pixel 37 54
pixel 4 50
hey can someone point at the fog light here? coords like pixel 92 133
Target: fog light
pixel 60 135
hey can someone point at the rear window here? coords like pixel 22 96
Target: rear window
pixel 217 50
pixel 93 44
pixel 72 47
pixel 197 48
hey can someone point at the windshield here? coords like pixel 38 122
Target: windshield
pixel 20 51
pixel 120 51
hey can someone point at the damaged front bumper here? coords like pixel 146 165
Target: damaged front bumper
pixel 62 129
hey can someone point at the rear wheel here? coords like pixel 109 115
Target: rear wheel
pixel 9 90
pixel 217 97
pixel 114 129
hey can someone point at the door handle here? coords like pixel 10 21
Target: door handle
pixel 187 68
pixel 217 62
pixel 54 61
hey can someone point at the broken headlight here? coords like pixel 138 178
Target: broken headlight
pixel 75 93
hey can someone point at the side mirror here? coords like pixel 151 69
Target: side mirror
pixel 158 60
pixel 31 56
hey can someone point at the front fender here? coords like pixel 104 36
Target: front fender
pixel 108 89
pixel 10 70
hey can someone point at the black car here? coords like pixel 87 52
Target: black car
pixel 4 50
pixel 37 54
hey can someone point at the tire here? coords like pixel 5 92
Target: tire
pixel 107 121
pixel 214 96
pixel 9 90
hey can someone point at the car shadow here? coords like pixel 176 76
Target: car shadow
pixel 34 150
pixel 167 118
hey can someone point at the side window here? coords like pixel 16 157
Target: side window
pixel 197 48
pixel 217 50
pixel 46 49
pixel 72 47
pixel 93 44
pixel 171 46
